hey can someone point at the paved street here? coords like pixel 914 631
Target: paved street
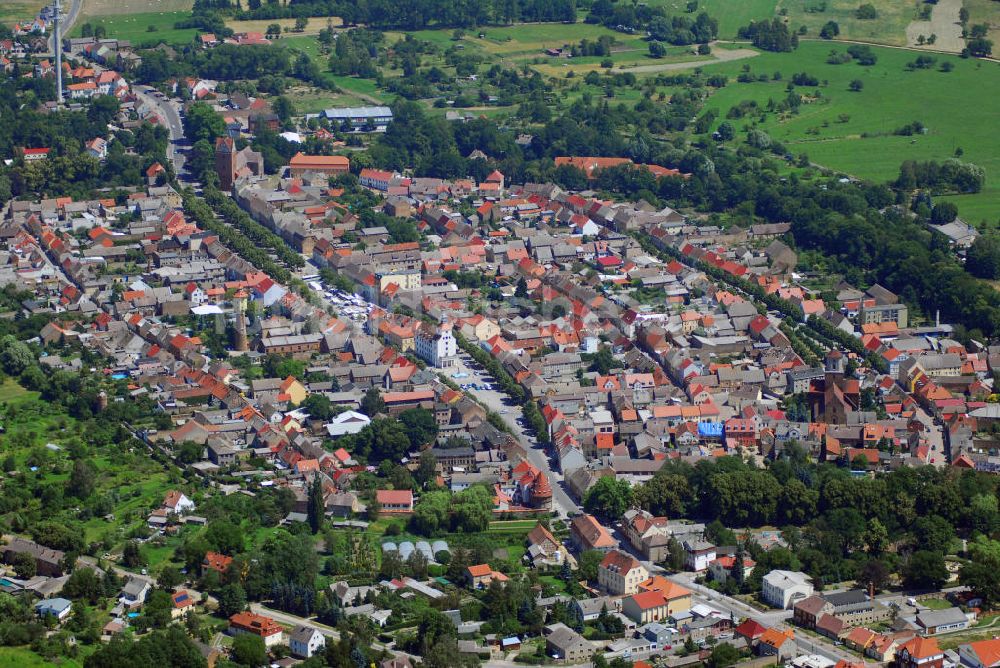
pixel 497 401
pixel 168 111
pixel 293 620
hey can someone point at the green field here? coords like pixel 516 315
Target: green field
pixel 11 392
pixel 135 27
pixel 730 15
pixel 314 100
pixel 936 603
pixel 307 44
pixel 20 10
pixel 955 107
pixel 888 28
pixel 986 11
pixel 22 657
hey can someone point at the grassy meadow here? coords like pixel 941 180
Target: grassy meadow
pixel 830 129
pixel 20 10
pixel 986 11
pixel 136 27
pixel 730 15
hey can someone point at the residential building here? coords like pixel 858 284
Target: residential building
pixel 782 589
pixel 134 592
pixel 853 608
pixel 182 604
pixel 265 628
pixel 543 548
pixel 980 654
pixel 479 576
pixel 56 607
pixel 394 500
pixel 620 573
pixel 216 562
pixel 698 554
pixel 375 179
pixel 305 641
pixel 564 644
pixel 48 562
pixel 655 604
pixel 648 534
pixel 588 534
pixel 177 503
pixel 722 568
pixel 920 653
pixel 775 642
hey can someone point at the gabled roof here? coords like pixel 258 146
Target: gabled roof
pixel 750 629
pixel 921 648
pixel 988 651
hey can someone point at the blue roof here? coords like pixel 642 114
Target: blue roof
pixel 710 429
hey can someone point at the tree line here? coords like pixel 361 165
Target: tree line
pixel 406 14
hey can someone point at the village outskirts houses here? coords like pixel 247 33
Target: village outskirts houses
pixel 305 641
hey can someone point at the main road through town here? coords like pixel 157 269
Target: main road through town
pixel 498 402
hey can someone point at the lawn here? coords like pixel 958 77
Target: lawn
pixel 136 27
pixel 22 657
pixel 853 131
pixel 356 85
pixel 936 603
pixel 512 526
pixel 11 392
pixel 314 100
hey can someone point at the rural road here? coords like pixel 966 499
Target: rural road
pixel 293 620
pixel 718 56
pixel 72 13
